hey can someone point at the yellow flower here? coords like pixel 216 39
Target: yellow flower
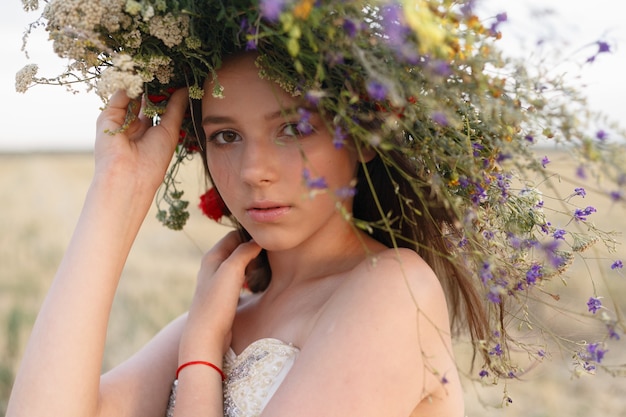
pixel 427 25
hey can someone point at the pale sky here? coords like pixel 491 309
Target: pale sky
pixel 49 118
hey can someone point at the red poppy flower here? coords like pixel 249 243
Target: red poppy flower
pixel 212 204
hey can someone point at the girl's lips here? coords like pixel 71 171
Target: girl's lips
pixel 267 214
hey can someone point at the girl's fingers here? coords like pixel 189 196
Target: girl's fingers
pixel 224 267
pixel 222 250
pixel 175 111
pixel 237 262
pixel 119 100
pixel 113 116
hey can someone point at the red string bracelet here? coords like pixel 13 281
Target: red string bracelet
pixel 209 364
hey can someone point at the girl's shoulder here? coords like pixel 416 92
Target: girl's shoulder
pixel 385 330
pixel 396 273
pixel 393 288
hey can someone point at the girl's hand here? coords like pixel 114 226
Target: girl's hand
pixel 139 152
pixel 221 277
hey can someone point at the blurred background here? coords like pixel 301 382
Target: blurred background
pixel 46 166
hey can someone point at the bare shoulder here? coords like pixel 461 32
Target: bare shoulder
pixel 384 336
pixel 401 277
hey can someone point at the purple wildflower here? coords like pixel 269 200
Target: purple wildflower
pixel 439 118
pixel 581 173
pixel 376 90
pixel 533 274
pixel 468 8
pixel 612 333
pixel 396 32
pixel 483 373
pixel 581 214
pixel 503 157
pixel 559 234
pixel 594 304
pixel 580 191
pixel 497 350
pixel 500 18
pixel 441 67
pixel 494 295
pixel 304 124
pixel 350 28
pixel 588 367
pixel 603 47
pixel 251 34
pixel 550 250
pixel 617 264
pixel 601 135
pixel 345 192
pixel 485 273
pixel 271 9
pixel 530 138
pixel 478 195
pixel 545 161
pixel 615 195
pixel 313 97
pixel 477 148
pixel 339 138
pixel 595 353
pixel 314 183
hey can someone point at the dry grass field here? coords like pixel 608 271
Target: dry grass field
pixel 41 197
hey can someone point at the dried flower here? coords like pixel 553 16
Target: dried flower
pixel 25 77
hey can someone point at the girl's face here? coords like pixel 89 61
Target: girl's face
pixel 259 159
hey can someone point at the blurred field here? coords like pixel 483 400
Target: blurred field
pixel 41 196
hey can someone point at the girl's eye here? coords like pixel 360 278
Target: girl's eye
pixel 225 136
pixel 291 129
pixel 296 130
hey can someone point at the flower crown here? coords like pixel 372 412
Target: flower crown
pixel 426 70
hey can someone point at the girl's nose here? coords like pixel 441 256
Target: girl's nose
pixel 260 162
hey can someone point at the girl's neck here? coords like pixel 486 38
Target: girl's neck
pixel 321 256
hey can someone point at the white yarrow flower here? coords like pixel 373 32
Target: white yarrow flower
pixel 112 80
pixel 25 77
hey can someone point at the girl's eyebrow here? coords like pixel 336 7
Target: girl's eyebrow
pixel 290 111
pixel 217 119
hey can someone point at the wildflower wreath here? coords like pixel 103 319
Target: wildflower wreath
pixel 428 71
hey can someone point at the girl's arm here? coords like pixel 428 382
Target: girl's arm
pixel 207 332
pixel 60 371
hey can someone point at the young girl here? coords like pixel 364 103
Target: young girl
pixel 360 207
pixel 345 325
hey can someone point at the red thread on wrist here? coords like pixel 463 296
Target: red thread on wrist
pixel 209 364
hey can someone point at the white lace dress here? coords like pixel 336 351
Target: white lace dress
pixel 252 377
